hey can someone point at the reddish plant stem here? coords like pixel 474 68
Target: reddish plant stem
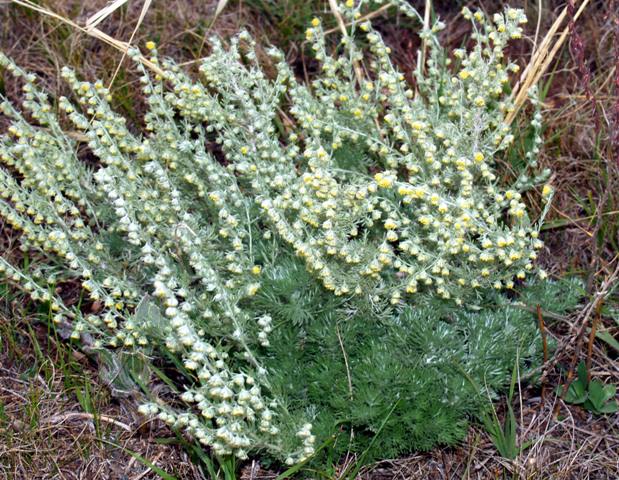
pixel 542 329
pixel 577 48
pixel 614 128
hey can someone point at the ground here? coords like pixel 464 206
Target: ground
pixel 60 419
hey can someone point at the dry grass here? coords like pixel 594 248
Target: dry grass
pixel 58 421
pixel 42 44
pixel 58 417
pixel 581 112
pixel 577 446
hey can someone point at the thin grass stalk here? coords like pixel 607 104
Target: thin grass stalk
pixel 540 61
pixel 424 42
pixel 145 8
pixel 342 26
pixel 96 18
pixel 93 32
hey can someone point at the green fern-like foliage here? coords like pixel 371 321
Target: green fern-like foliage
pixel 412 376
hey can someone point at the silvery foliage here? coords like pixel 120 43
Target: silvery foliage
pixel 162 232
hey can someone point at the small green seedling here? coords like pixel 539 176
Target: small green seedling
pixel 505 436
pixel 592 395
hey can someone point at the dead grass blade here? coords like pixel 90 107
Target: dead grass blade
pixel 342 26
pixel 541 60
pixel 105 12
pixel 539 23
pixel 59 419
pixel 221 4
pixel 93 32
pixel 145 8
pixel 362 19
pixel 424 41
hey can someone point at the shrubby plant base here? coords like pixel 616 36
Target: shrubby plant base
pixel 324 260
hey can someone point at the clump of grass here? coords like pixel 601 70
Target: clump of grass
pixel 57 418
pixel 583 231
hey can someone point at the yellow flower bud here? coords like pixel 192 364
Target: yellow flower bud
pixel 383 181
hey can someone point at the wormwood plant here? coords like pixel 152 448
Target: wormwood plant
pixel 319 257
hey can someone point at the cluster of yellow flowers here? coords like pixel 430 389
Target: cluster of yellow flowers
pixel 384 190
pixel 434 216
pixel 160 225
